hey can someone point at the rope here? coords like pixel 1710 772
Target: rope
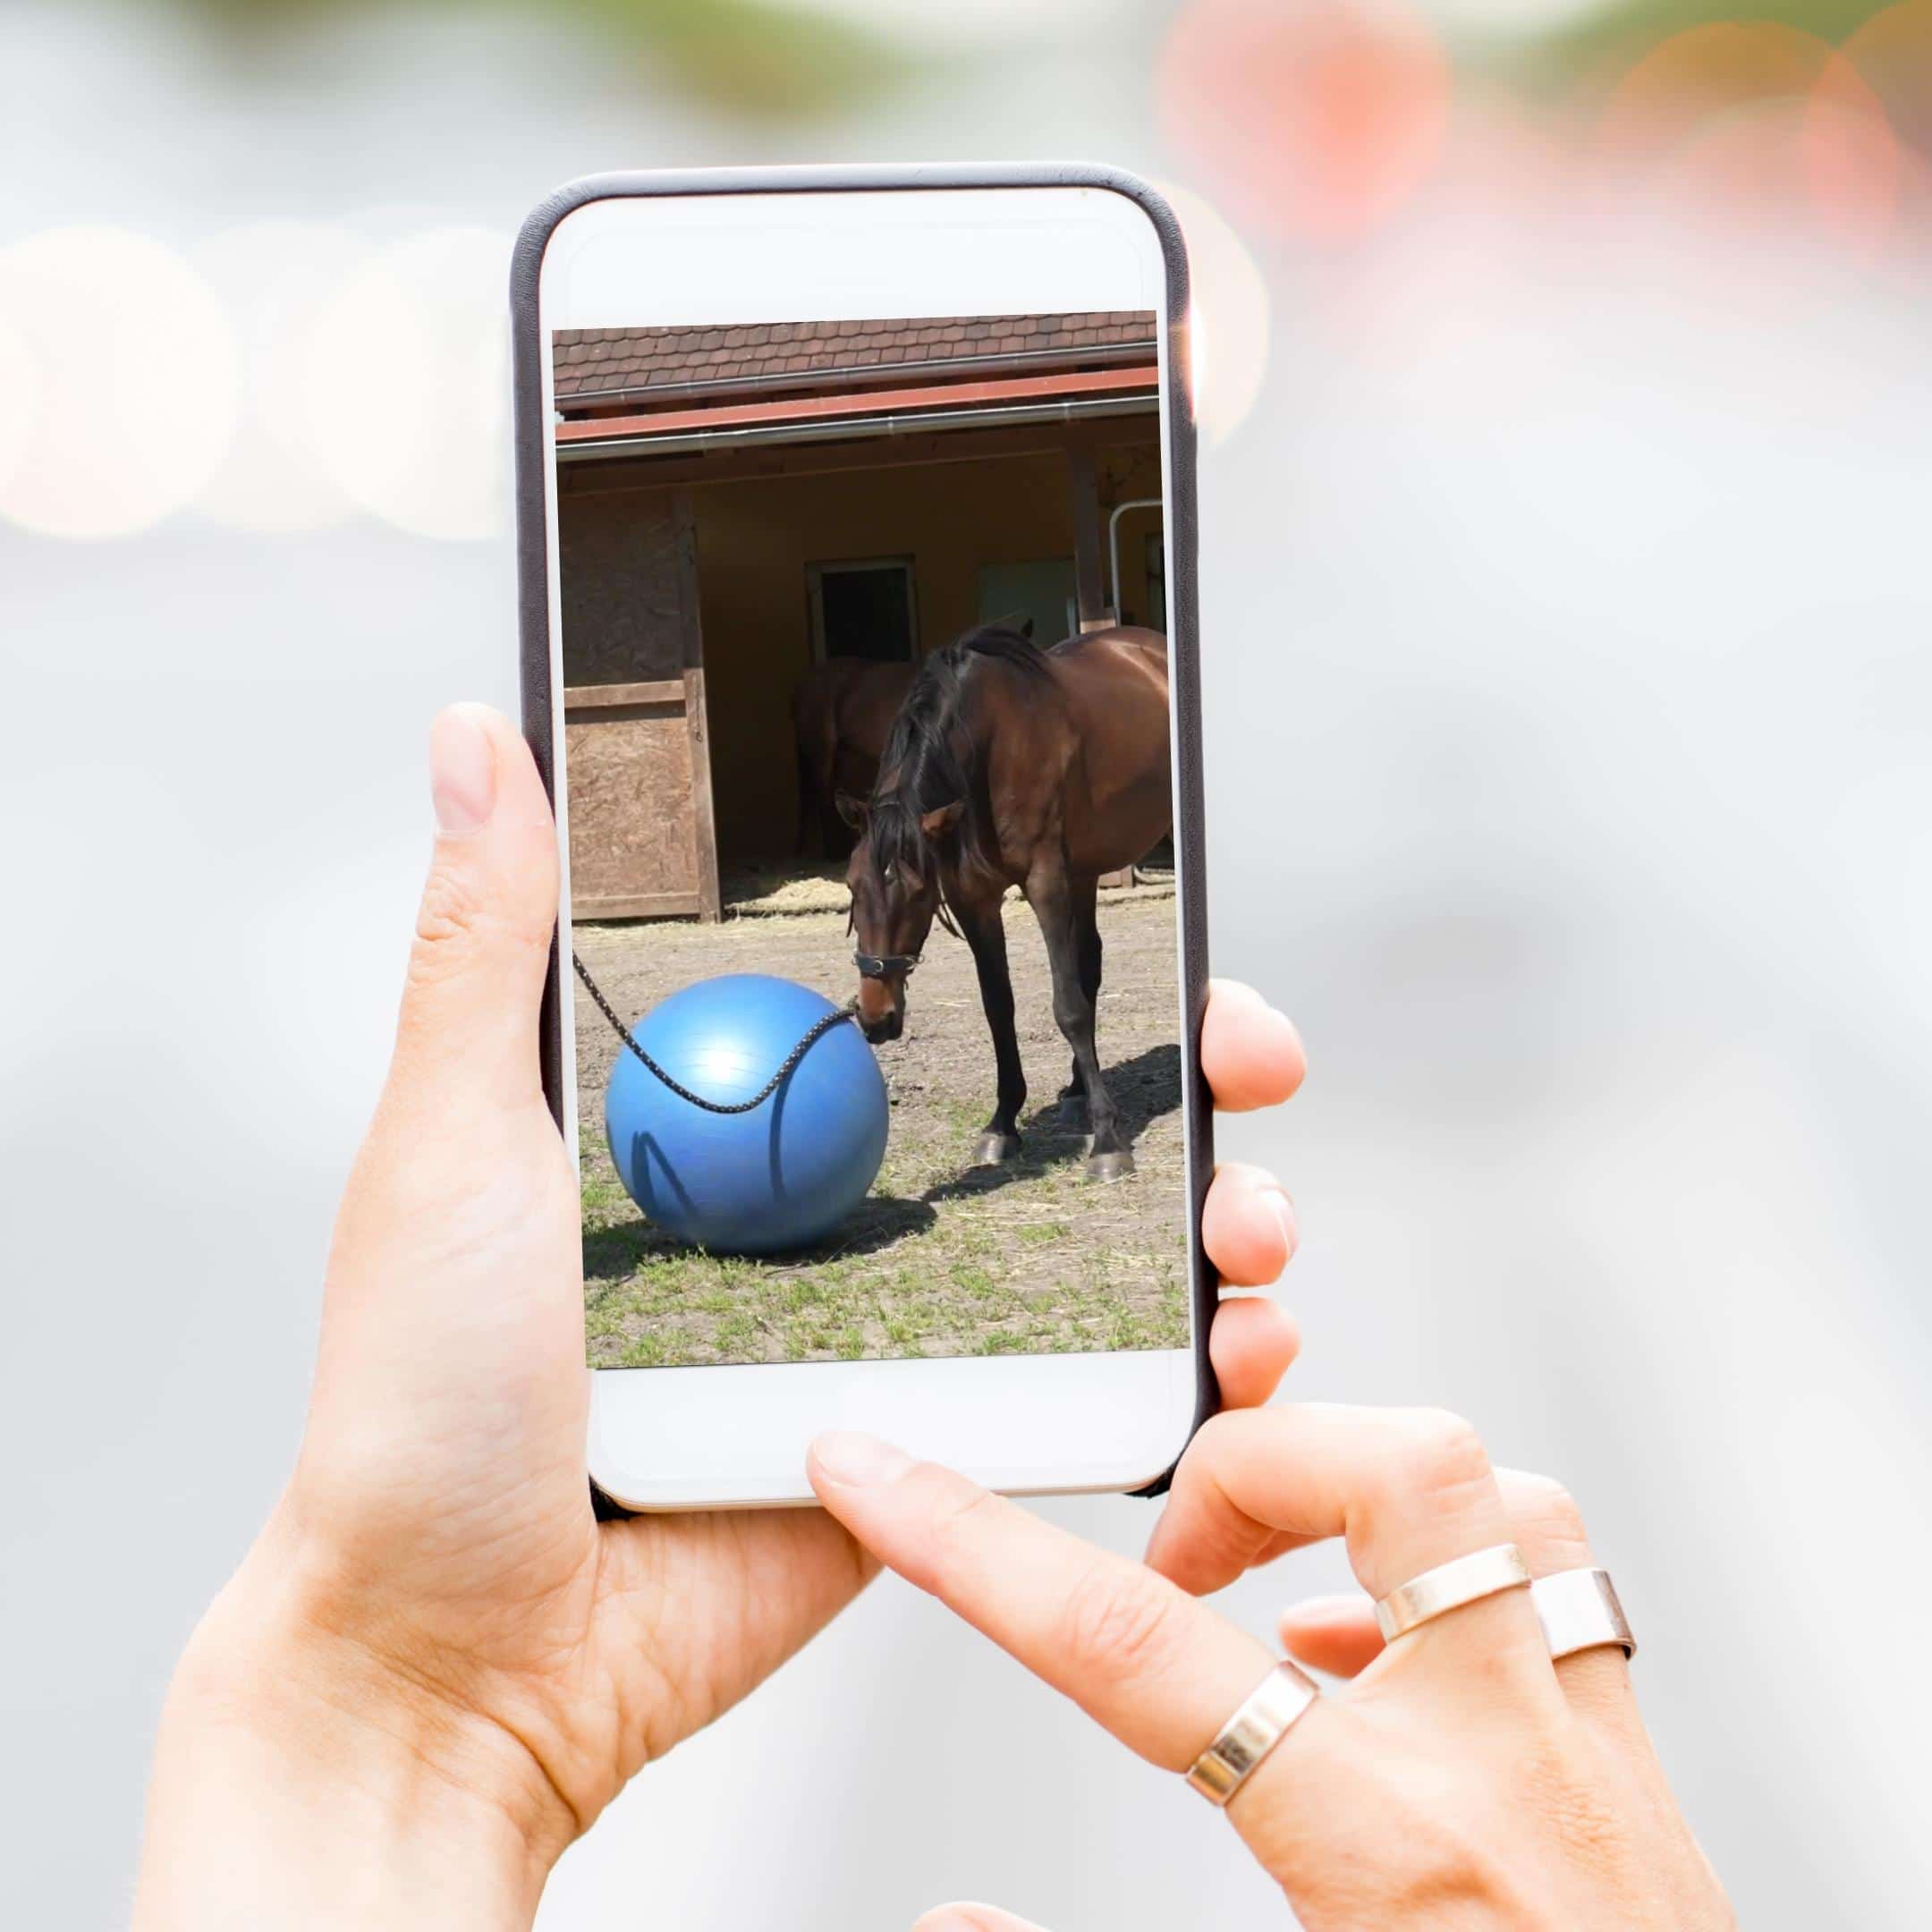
pixel 819 1029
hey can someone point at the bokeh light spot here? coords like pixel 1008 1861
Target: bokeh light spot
pixel 1227 315
pixel 1316 121
pixel 277 278
pixel 138 385
pixel 407 381
pixel 1761 120
pixel 20 398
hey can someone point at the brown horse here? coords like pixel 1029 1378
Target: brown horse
pixel 1011 765
pixel 841 711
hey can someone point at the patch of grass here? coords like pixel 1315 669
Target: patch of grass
pixel 1037 1233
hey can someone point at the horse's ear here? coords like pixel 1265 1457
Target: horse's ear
pixel 853 811
pixel 1025 627
pixel 936 824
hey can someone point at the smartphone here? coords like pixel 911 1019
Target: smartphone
pixel 856 540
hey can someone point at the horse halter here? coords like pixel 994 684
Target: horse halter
pixel 876 966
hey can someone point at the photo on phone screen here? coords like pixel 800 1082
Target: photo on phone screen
pixel 865 769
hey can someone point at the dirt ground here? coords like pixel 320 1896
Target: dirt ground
pixel 942 1259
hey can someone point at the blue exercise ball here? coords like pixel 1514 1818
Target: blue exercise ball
pixel 783 1175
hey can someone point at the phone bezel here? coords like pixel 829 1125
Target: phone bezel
pixel 1094 1391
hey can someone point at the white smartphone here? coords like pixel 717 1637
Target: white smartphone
pixel 857 548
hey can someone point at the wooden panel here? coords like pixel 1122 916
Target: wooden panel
pixel 630 807
pixel 634 734
pixel 603 697
pixel 637 906
pixel 622 590
pixel 703 828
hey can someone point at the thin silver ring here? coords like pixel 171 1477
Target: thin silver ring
pixel 1466 1579
pixel 1266 1716
pixel 1579 1611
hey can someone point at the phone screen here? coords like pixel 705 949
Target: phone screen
pixel 872 962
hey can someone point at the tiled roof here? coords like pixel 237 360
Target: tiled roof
pixel 603 365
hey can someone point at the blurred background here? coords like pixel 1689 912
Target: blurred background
pixel 1567 618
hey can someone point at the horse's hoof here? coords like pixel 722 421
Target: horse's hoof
pixel 1115 1166
pixel 995 1149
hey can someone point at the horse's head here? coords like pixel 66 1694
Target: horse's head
pixel 894 878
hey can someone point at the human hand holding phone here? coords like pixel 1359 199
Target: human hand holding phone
pixel 1463 1778
pixel 436 1666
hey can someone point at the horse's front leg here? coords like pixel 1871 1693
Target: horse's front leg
pixel 1066 912
pixel 985 931
pixel 1073 1095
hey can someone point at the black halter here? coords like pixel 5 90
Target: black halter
pixel 873 966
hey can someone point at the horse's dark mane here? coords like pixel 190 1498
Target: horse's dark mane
pixel 930 760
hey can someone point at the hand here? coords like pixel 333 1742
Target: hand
pixel 435 1667
pixel 1461 1780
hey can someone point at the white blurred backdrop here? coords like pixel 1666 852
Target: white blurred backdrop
pixel 1569 693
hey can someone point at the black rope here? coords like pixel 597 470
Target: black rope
pixel 819 1029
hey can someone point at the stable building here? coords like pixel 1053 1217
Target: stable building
pixel 734 504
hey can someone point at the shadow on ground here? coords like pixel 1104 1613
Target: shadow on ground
pixel 1144 1088
pixel 614 1253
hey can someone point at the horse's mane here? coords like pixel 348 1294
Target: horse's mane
pixel 930 759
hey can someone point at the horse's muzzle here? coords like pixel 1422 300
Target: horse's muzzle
pixel 888 1026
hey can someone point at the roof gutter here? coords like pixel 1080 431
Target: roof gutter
pixel 858 376
pixel 707 441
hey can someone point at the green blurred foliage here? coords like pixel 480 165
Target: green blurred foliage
pixel 755 59
pixel 1620 32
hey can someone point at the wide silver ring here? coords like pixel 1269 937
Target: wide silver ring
pixel 1579 1611
pixel 1266 1716
pixel 1449 1586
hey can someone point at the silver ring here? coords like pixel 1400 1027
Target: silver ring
pixel 1579 1611
pixel 1449 1586
pixel 1266 1716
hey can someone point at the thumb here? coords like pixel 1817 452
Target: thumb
pixel 972 1918
pixel 468 1032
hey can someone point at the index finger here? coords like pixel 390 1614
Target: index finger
pixel 1252 1053
pixel 1139 1657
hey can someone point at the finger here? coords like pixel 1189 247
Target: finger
pixel 1252 1344
pixel 467 1039
pixel 453 1264
pixel 1248 1225
pixel 1548 1528
pixel 676 1580
pixel 1408 1489
pixel 1158 1670
pixel 1336 1634
pixel 1251 1055
pixel 1339 1634
pixel 966 1917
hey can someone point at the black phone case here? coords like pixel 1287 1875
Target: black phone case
pixel 533 598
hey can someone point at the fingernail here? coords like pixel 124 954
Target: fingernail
pixel 462 769
pixel 858 1460
pixel 1284 1216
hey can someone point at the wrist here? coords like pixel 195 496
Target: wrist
pixel 299 1777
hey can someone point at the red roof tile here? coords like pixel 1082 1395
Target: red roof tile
pixel 602 366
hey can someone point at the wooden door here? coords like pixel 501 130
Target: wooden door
pixel 636 744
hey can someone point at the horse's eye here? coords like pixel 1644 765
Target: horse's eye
pixel 888 875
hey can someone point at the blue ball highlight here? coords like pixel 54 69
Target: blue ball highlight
pixel 783 1175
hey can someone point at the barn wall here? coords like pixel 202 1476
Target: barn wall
pixel 756 538
pixel 640 839
pixel 622 609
